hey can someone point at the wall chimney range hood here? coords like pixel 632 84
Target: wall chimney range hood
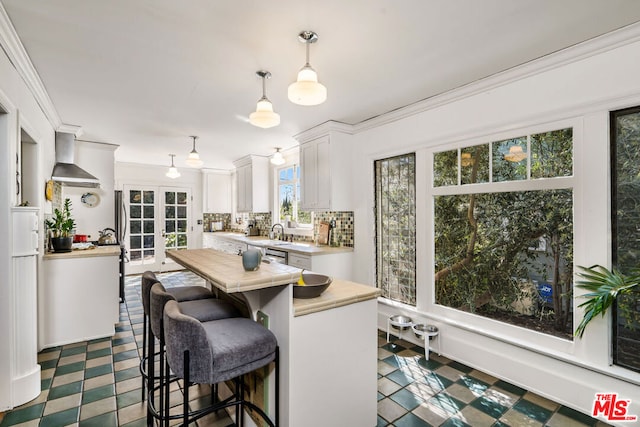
pixel 65 170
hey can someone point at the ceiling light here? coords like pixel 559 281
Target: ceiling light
pixel 264 117
pixel 277 158
pixel 466 159
pixel 193 160
pixel 515 154
pixel 173 171
pixel 306 90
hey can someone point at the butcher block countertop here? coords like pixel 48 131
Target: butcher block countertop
pixel 225 272
pixel 85 253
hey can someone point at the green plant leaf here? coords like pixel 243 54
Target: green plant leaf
pixel 603 286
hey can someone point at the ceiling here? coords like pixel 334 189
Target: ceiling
pixel 147 74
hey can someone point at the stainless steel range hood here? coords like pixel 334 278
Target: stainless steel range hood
pixel 65 170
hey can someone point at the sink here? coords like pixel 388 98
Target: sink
pixel 315 284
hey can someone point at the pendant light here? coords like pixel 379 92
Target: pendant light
pixel 306 90
pixel 173 171
pixel 193 160
pixel 264 117
pixel 277 158
pixel 515 154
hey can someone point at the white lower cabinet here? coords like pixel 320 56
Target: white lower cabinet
pixel 300 261
pixel 211 241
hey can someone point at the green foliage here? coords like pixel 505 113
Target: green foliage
pixel 61 224
pixel 604 286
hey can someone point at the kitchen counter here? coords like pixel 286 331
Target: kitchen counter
pixel 97 251
pixel 225 272
pixel 308 332
pixel 298 247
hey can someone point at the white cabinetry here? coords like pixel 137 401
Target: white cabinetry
pixel 252 184
pixel 316 174
pixel 230 246
pixel 336 265
pixel 23 342
pixel 216 187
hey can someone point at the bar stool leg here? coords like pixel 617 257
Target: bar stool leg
pixel 388 326
pixel 144 351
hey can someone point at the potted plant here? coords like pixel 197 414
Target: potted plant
pixel 604 286
pixel 61 225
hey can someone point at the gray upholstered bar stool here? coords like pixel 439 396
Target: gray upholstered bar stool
pixel 183 293
pixel 221 350
pixel 205 310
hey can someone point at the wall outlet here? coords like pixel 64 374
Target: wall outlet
pixel 263 319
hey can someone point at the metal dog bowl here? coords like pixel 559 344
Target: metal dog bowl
pixel 400 322
pixel 314 285
pixel 421 330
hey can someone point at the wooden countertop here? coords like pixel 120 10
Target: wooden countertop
pixel 85 253
pixel 338 294
pixel 297 247
pixel 226 273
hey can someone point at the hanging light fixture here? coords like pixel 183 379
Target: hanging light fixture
pixel 277 158
pixel 264 117
pixel 306 90
pixel 515 154
pixel 193 160
pixel 173 171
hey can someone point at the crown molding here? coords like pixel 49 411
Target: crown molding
pixel 578 52
pixel 18 56
pixel 324 129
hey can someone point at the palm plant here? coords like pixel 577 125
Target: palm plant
pixel 604 286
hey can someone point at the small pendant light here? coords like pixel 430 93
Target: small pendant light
pixel 306 90
pixel 193 160
pixel 173 171
pixel 264 117
pixel 277 158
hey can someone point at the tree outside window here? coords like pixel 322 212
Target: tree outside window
pixel 504 230
pixel 289 196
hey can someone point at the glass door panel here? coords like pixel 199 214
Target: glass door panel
pixel 158 220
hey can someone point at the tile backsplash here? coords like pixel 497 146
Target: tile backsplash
pixel 343 231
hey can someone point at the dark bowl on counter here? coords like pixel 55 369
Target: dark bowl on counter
pixel 315 285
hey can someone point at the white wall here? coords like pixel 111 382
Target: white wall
pixel 22 112
pixel 582 84
pixel 98 159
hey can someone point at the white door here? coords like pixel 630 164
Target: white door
pixel 159 219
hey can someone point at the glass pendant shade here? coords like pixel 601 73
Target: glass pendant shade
pixel 515 154
pixel 277 158
pixel 173 171
pixel 264 116
pixel 193 159
pixel 306 90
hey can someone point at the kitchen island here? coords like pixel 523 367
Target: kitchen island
pixel 328 345
pixel 79 296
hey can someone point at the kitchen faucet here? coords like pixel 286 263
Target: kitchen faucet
pixel 281 227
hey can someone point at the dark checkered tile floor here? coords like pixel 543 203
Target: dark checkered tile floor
pixel 97 383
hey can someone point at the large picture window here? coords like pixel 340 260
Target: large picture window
pixel 625 223
pixel 503 223
pixel 396 228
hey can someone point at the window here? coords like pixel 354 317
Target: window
pixel 396 228
pixel 289 196
pixel 625 223
pixel 503 223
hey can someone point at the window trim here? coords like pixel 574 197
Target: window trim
pixel 526 338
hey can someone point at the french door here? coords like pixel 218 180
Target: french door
pixel 158 219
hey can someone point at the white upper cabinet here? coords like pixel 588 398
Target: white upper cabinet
pixel 316 174
pixel 216 187
pixel 252 184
